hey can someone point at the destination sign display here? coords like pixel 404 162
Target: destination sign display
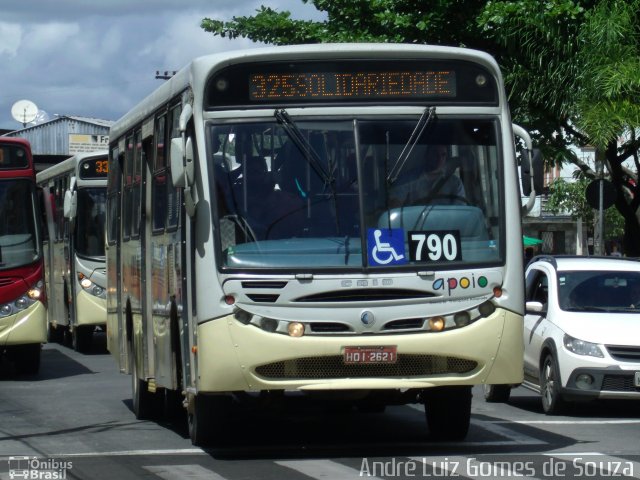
pixel 97 167
pixel 352 85
pixel 384 81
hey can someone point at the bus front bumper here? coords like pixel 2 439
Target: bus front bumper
pixel 232 356
pixel 25 327
pixel 90 310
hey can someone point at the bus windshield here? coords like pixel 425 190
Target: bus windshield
pixel 18 233
pixel 89 232
pixel 357 193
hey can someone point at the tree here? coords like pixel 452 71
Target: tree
pixel 571 67
pixel 570 198
pixel 443 22
pixel 588 89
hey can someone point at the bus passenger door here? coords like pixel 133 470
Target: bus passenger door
pixel 116 333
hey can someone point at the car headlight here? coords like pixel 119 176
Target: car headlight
pixel 580 347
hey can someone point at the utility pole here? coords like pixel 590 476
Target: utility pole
pixel 600 176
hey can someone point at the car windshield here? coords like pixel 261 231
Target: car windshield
pixel 18 230
pixel 357 193
pixel 598 291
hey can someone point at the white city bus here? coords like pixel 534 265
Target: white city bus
pixel 75 193
pixel 268 232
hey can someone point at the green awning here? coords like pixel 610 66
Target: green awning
pixel 530 241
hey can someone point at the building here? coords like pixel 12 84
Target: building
pixel 65 135
pixel 560 234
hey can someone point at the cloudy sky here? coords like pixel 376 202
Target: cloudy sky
pixel 97 58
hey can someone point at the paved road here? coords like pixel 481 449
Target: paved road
pixel 75 419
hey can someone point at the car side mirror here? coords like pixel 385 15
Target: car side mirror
pixel 535 307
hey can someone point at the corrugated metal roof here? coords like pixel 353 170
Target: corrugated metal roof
pixel 52 137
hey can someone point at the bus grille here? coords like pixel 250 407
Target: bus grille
pixel 333 367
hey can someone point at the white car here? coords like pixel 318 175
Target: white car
pixel 581 331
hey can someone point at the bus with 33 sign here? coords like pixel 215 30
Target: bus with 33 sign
pixel 75 204
pixel 339 221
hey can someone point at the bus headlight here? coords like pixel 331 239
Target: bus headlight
pixel 436 324
pixel 34 294
pixel 462 319
pixel 296 329
pixel 21 303
pixel 90 287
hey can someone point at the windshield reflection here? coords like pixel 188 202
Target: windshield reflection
pixel 18 234
pixel 90 218
pixel 327 196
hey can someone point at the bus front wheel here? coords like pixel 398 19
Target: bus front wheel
pixel 82 337
pixel 448 411
pixel 207 416
pixel 27 358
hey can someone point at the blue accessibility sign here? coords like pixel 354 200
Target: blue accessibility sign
pixel 385 246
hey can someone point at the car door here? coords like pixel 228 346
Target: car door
pixel 535 322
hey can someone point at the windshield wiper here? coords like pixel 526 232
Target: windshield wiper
pixel 303 145
pixel 296 135
pixel 425 119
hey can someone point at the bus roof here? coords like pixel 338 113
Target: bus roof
pixel 23 171
pixel 70 164
pixel 197 71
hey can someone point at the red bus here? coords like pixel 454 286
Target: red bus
pixel 23 314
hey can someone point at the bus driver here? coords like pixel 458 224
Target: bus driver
pixel 434 182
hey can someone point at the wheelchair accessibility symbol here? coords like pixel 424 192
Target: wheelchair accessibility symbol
pixel 386 246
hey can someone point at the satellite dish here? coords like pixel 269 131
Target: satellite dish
pixel 41 117
pixel 24 111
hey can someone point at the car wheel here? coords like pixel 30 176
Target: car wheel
pixel 552 401
pixel 496 393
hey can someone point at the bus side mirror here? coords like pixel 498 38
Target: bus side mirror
pixel 70 204
pixel 177 165
pixel 532 173
pixel 182 169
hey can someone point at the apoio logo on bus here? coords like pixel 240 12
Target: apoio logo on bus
pixel 452 283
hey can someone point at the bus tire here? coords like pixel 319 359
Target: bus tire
pixel 81 337
pixel 496 393
pixel 207 418
pixel 142 400
pixel 27 358
pixel 55 334
pixel 448 412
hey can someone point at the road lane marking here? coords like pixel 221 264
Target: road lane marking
pixel 516 438
pixel 567 422
pixel 182 472
pixel 326 469
pixel 471 467
pixel 596 460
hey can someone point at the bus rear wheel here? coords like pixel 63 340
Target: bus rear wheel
pixel 143 400
pixel 448 412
